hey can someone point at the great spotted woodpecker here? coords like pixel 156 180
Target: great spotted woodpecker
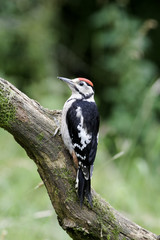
pixel 79 129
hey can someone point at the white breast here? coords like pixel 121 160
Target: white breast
pixel 64 129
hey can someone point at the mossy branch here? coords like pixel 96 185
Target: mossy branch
pixel 35 128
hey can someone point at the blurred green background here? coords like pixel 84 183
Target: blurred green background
pixel 116 45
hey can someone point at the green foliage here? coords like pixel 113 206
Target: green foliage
pixel 25 41
pixel 119 45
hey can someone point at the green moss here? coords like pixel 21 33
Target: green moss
pixel 111 230
pixel 40 136
pixel 71 195
pixel 108 236
pixel 116 232
pixel 7 110
pixel 103 209
pixel 65 174
pixel 56 191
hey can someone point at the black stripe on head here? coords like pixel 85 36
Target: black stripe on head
pixel 84 96
pixel 79 91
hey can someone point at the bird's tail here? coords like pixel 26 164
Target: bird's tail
pixel 83 183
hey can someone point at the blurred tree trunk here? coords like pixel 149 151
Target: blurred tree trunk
pixel 35 129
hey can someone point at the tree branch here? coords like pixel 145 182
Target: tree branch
pixel 35 128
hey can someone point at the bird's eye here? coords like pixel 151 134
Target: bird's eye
pixel 81 83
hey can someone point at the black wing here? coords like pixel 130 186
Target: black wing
pixel 85 149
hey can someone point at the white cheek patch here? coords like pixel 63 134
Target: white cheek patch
pixel 85 138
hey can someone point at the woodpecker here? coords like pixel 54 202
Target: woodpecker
pixel 79 129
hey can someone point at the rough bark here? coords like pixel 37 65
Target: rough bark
pixel 35 129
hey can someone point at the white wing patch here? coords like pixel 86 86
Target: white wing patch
pixel 79 156
pixel 82 132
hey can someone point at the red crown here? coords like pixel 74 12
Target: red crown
pixel 86 80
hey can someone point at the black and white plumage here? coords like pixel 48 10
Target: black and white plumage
pixel 79 129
